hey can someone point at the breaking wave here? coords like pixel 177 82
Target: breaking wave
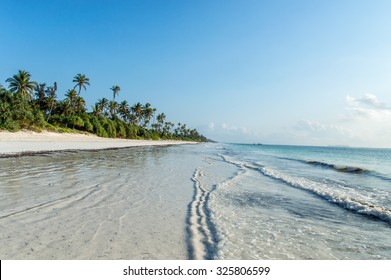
pixel 339 168
pixel 338 195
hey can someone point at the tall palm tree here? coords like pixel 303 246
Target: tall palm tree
pixel 115 90
pixel 21 84
pixel 68 108
pixel 137 110
pixel 96 110
pixel 2 89
pixel 167 127
pixel 113 106
pixel 124 110
pixel 51 99
pixel 81 81
pixel 80 104
pixel 70 101
pixel 103 103
pixel 160 119
pixel 40 92
pixel 147 114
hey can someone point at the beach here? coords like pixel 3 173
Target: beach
pixel 83 197
pixel 28 141
pixel 206 201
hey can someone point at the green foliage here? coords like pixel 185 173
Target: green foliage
pixel 109 127
pixel 131 131
pixel 98 129
pixel 76 122
pixel 120 128
pixel 87 123
pixel 19 111
pixel 154 136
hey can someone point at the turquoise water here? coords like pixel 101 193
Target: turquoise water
pixel 206 201
pixel 290 202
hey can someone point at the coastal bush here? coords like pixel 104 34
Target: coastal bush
pixel 10 125
pixel 109 126
pixel 121 132
pixel 50 127
pixel 75 121
pixel 98 129
pixel 38 118
pixel 56 120
pixel 148 134
pixel 6 117
pixel 87 123
pixel 88 126
pixel 154 136
pixel 131 131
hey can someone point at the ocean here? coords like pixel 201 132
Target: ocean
pixel 205 201
pixel 292 202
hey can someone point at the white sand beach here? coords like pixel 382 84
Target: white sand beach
pixel 28 141
pixel 108 204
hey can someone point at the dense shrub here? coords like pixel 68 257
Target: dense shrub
pixel 98 129
pixel 121 132
pixel 131 131
pixel 109 126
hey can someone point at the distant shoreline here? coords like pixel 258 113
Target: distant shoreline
pixel 27 142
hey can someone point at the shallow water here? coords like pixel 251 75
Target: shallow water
pixel 116 204
pixel 281 206
pixel 207 201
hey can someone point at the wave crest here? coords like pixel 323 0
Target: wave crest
pixel 339 168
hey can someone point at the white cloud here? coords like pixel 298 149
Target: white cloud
pixel 228 132
pixel 228 127
pixel 368 99
pixel 367 107
pixel 364 121
pixel 317 133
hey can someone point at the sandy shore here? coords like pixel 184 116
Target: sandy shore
pixel 26 141
pixel 112 204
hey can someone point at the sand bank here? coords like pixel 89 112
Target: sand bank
pixel 26 141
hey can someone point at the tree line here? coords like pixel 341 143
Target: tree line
pixel 27 104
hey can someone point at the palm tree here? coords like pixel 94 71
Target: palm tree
pixel 160 119
pixel 96 110
pixel 167 127
pixel 124 110
pixel 70 101
pixel 21 84
pixel 103 103
pixel 177 129
pixel 68 108
pixel 51 99
pixel 80 104
pixel 147 114
pixel 115 90
pixel 40 92
pixel 2 89
pixel 81 81
pixel 137 110
pixel 113 105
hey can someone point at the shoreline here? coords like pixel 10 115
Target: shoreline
pixel 113 204
pixel 26 143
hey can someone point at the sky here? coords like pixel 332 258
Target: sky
pixel 273 72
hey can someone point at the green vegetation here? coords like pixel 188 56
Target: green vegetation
pixel 29 105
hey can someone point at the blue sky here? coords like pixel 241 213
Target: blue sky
pixel 284 72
